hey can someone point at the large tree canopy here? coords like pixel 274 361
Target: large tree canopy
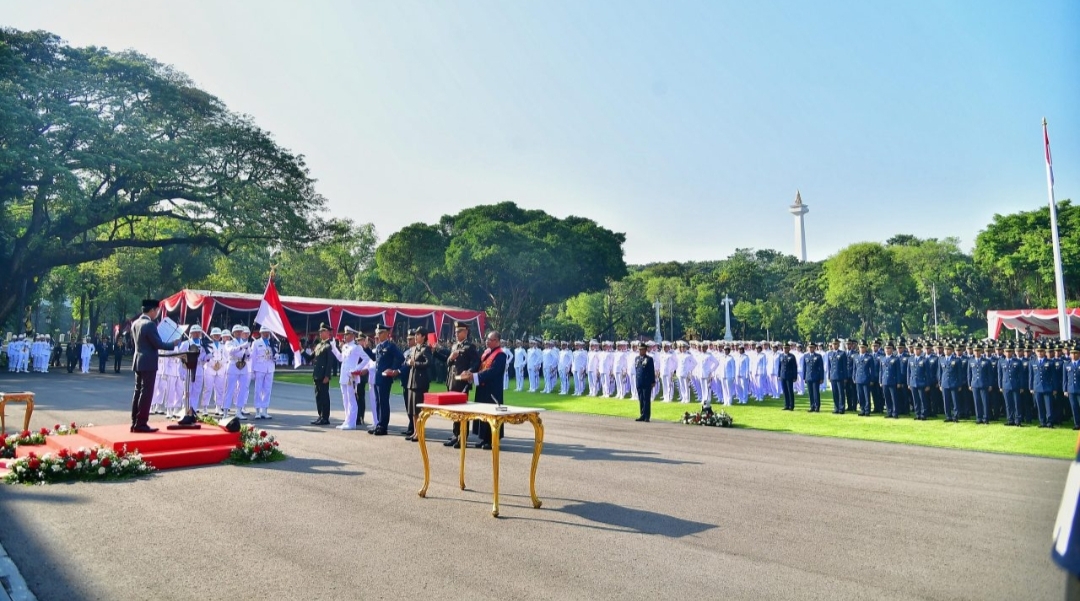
pixel 505 259
pixel 101 151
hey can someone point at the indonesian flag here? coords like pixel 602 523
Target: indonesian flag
pixel 272 317
pixel 1049 162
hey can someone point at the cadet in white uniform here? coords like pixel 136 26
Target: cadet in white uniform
pixel 348 353
pixel 519 366
pixel 566 366
pixel 263 361
pixel 550 363
pixel 214 372
pixel 236 373
pixel 195 341
pixel 86 352
pixel 607 365
pixel 593 368
pixel 579 364
pixel 535 363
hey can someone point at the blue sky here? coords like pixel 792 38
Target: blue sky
pixel 686 125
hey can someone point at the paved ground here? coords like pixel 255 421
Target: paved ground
pixel 631 511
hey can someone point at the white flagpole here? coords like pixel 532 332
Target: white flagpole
pixel 1064 327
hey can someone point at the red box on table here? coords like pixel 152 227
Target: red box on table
pixel 445 398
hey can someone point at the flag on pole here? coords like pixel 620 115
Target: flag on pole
pixel 271 316
pixel 1049 161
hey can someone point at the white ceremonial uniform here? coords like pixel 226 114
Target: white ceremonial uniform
pixel 630 359
pixel 200 375
pixel 759 374
pixel 236 375
pixel 173 393
pixel 519 368
pixel 579 364
pixel 10 355
pixel 800 386
pixel 667 374
pixel 214 375
pixel 618 370
pixel 773 364
pixel 684 369
pixel 353 359
pixel 592 366
pixel 607 375
pixel 24 356
pixel 87 351
pixel 728 371
pixel 535 363
pixel 742 376
pixel 262 368
pixel 551 368
pixel 566 365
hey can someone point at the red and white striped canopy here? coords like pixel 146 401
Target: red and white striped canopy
pixel 206 301
pixel 1042 322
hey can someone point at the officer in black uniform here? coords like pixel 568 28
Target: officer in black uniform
pixel 321 364
pixel 463 357
pixel 645 378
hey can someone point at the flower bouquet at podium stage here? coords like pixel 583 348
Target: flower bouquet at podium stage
pixel 708 417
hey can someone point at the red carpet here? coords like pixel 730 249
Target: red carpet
pixel 164 449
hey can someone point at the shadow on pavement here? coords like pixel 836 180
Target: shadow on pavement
pixel 46 574
pixel 298 465
pixel 579 452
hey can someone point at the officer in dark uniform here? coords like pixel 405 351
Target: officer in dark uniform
pixel 903 398
pixel 388 361
pixel 788 374
pixel 952 379
pixel 851 394
pixel 645 378
pixel 982 377
pixel 463 357
pixel 813 376
pixel 1070 380
pixel 890 378
pixel 1027 399
pixel 1011 376
pixel 934 353
pixel 1061 402
pixel 1041 379
pixel 918 381
pixel 419 364
pixel 72 357
pixel 838 375
pixel 403 377
pixel 321 364
pixel 875 388
pixel 864 373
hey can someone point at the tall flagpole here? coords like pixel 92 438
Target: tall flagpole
pixel 1064 327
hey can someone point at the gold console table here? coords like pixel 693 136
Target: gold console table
pixel 491 414
pixel 26 398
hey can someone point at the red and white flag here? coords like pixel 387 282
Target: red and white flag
pixel 272 317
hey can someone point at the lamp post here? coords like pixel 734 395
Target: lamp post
pixel 727 318
pixel 658 305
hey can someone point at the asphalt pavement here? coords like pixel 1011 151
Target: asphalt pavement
pixel 631 511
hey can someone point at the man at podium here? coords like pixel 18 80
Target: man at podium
pixel 145 363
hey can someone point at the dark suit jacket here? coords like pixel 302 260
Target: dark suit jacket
pixel 147 344
pixel 387 357
pixel 789 367
pixel 490 377
pixel 321 362
pixel 644 371
pixel 420 372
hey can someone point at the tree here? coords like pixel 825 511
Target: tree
pixel 101 151
pixel 1016 251
pixel 414 255
pixel 866 280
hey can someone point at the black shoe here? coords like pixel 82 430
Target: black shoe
pixel 640 419
pixel 406 433
pixel 484 445
pixel 451 443
pixel 371 430
pixel 144 429
pixel 317 421
pixel 380 432
pixel 457 443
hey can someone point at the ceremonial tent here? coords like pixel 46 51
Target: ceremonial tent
pixel 223 309
pixel 1039 322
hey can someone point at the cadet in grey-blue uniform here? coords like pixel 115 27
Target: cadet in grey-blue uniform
pixel 1041 378
pixel 953 378
pixel 891 378
pixel 1070 380
pixel 865 374
pixel 838 375
pixel 1013 379
pixel 813 376
pixel 918 381
pixel 982 377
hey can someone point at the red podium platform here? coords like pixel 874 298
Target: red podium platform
pixel 164 449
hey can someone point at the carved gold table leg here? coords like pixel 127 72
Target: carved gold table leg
pixel 463 439
pixel 27 398
pixel 538 445
pixel 495 423
pixel 420 427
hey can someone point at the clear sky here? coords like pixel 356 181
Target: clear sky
pixel 686 125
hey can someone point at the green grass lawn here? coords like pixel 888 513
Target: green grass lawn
pixel 1057 443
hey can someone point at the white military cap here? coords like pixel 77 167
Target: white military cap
pixel 606 343
pixel 621 343
pixel 246 330
pixel 215 332
pixel 650 343
pixel 594 343
pixel 681 343
pixel 238 328
pixel 226 333
pixel 349 330
pixel 195 329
